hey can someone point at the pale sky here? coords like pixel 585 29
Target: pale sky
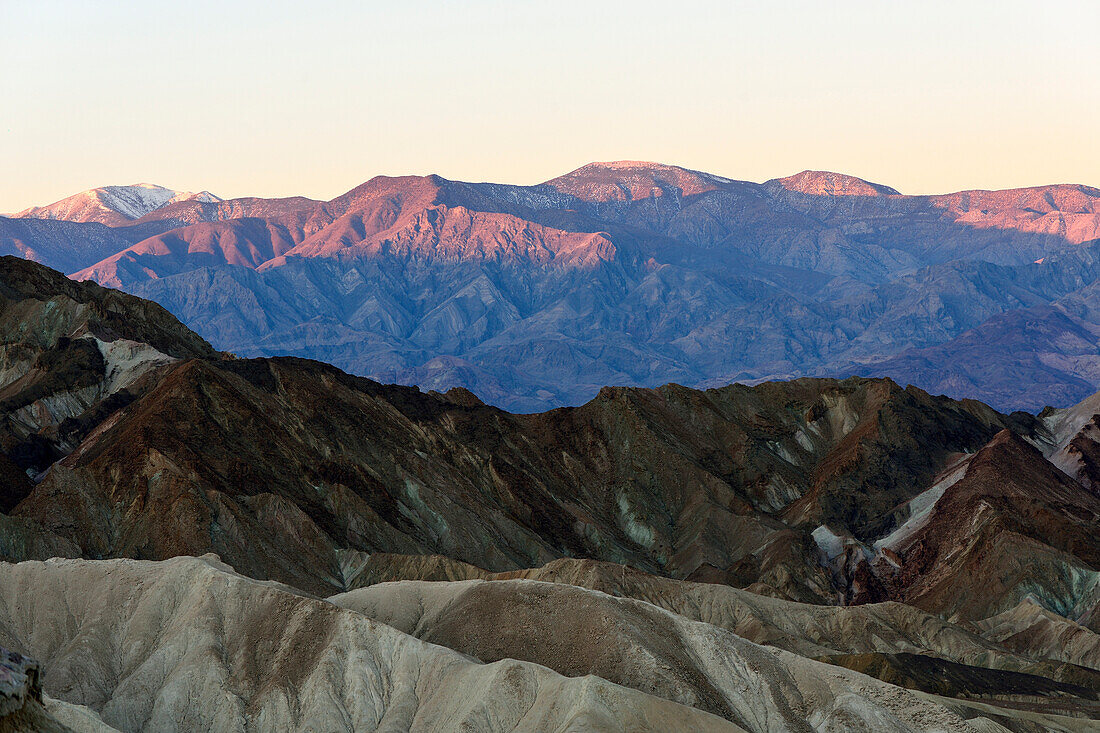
pixel 312 98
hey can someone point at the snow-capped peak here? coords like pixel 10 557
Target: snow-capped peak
pixel 139 199
pixel 115 204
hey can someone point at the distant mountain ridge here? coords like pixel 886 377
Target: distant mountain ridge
pixel 624 273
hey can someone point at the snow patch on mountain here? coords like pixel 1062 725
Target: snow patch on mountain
pixel 139 199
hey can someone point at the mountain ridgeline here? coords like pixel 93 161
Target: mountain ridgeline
pixel 634 274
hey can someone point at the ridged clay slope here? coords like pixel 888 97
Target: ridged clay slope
pixel 188 644
pixel 758 688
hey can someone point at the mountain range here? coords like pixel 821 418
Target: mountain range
pixel 625 273
pixel 191 539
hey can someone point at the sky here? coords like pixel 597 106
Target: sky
pixel 312 98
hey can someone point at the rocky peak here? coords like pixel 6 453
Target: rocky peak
pixel 628 180
pixel 399 191
pixel 827 183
